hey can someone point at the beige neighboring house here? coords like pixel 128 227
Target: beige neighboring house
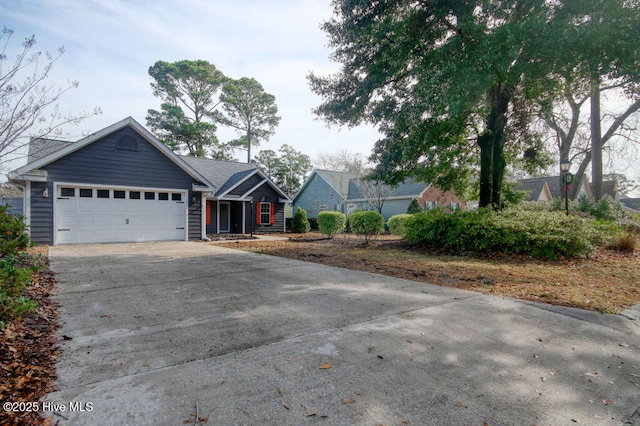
pixel 537 189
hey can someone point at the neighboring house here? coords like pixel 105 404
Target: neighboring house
pixel 631 205
pixel 538 191
pixel 609 189
pixel 338 191
pixel 14 203
pixel 122 184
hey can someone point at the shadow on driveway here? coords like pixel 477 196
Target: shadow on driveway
pixel 162 329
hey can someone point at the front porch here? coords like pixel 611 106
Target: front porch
pixel 224 217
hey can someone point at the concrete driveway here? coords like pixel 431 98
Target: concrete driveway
pixel 157 332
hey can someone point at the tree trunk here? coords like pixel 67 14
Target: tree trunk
pixel 573 191
pixel 596 141
pixel 485 142
pixel 491 143
pixel 249 145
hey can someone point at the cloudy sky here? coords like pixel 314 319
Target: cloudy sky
pixel 110 44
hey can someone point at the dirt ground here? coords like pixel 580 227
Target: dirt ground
pixel 608 281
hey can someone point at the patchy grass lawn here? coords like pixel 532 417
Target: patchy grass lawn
pixel 608 281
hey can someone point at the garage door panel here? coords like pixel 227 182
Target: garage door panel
pixel 92 219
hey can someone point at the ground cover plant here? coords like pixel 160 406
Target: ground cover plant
pixel 28 322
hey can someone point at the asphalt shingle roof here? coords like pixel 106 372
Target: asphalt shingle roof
pixel 345 184
pixel 222 174
pixel 40 147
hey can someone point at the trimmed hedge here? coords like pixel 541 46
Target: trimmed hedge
pixel 331 223
pixel 539 234
pixel 300 223
pixel 367 223
pixel 396 223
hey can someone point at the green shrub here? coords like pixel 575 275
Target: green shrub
pixel 300 223
pixel 331 223
pixel 16 268
pixel 396 223
pixel 414 206
pixel 367 223
pixel 12 230
pixel 536 233
pixel 606 208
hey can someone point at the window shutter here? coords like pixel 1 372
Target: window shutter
pixel 258 213
pixel 208 210
pixel 272 219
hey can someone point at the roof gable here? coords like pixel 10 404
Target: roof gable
pixel 64 149
pixel 41 147
pixel 226 175
pixel 344 184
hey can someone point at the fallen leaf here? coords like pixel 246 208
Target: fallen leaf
pixel 380 356
pixel 409 341
pixel 349 401
pixel 264 364
pixel 594 374
pixel 279 391
pixel 635 375
pixel 187 422
pixel 286 406
pixel 65 337
pixel 406 422
pixel 606 401
pixel 325 366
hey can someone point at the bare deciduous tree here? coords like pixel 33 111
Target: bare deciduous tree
pixel 374 191
pixel 28 104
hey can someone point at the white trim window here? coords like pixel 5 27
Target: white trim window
pixel 265 213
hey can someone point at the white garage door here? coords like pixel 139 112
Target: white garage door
pixel 107 215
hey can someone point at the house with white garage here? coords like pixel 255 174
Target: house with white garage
pixel 121 184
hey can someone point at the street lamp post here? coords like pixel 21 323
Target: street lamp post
pixel 567 179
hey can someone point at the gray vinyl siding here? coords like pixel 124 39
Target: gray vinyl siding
pixel 246 185
pixel 15 205
pixel 266 193
pixel 394 207
pixel 41 219
pixel 101 163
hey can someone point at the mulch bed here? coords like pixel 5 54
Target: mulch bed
pixel 28 354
